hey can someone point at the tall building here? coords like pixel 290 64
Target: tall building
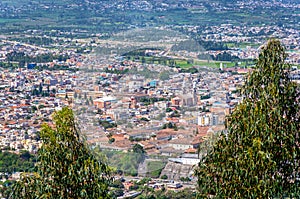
pixel 208 119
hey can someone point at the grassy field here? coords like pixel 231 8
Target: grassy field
pixel 203 63
pixel 211 64
pixel 154 168
pixel 242 45
pixel 126 162
pixel 183 64
pixel 186 63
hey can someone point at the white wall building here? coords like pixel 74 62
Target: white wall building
pixel 208 119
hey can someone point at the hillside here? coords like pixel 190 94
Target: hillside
pixel 109 16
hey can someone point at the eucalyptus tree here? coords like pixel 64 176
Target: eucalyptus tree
pixel 258 156
pixel 66 167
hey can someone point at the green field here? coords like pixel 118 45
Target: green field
pixel 154 168
pixel 125 162
pixel 187 63
pixel 210 64
pixel 242 45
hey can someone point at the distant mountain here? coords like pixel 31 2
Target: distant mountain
pixel 110 16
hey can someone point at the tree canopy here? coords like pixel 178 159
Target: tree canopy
pixel 66 167
pixel 258 155
pixel 12 162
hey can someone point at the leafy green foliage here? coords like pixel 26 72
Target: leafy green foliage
pixel 170 125
pixel 168 110
pixel 185 179
pixel 117 193
pixel 66 167
pixel 138 149
pixel 164 177
pixel 43 58
pixel 204 97
pixel 144 119
pixel 11 162
pixel 259 156
pixel 151 100
pixel 117 184
pixel 107 124
pixel 189 70
pixel 225 57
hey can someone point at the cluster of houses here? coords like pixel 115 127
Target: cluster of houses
pixel 28 98
pixel 121 104
pixel 167 117
pixel 234 34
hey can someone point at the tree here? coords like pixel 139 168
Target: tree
pixel 66 167
pixel 33 109
pixel 164 177
pixel 185 179
pixel 138 149
pixel 111 140
pixel 143 60
pixel 139 153
pixel 117 193
pixel 258 157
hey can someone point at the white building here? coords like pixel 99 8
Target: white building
pixel 208 119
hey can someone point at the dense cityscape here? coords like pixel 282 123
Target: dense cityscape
pixel 139 84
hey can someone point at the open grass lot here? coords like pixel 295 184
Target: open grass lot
pixel 242 45
pixel 154 168
pixel 187 63
pixel 183 64
pixel 212 64
pixel 126 162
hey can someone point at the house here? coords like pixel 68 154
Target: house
pixel 186 159
pixel 169 151
pixel 104 102
pixel 174 186
pixel 175 101
pixel 181 144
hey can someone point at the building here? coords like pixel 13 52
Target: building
pixel 208 119
pixel 105 102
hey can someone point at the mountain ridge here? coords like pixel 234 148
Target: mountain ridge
pixel 115 16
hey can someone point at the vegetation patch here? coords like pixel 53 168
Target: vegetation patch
pixel 154 168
